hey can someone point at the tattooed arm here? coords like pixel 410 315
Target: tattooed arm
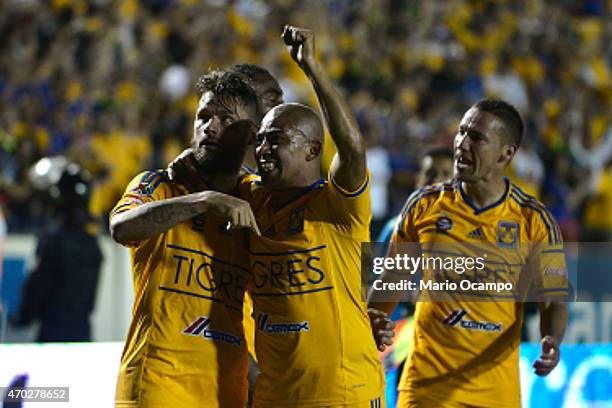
pixel 151 219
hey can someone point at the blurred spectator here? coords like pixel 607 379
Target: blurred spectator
pixel 60 291
pixel 107 83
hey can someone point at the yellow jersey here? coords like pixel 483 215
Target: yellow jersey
pixel 185 346
pixel 466 351
pixel 313 339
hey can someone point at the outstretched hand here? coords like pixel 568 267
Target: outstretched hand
pixel 301 45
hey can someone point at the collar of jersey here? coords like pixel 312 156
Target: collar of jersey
pixel 300 194
pixel 477 210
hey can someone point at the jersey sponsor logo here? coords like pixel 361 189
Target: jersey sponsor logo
pixel 457 319
pixel 444 224
pixel 476 234
pixel 200 327
pixel 296 221
pixel 281 328
pixel 291 272
pixel 198 274
pixel 507 234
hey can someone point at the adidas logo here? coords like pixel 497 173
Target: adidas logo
pixel 476 234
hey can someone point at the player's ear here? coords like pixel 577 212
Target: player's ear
pixel 314 149
pixel 508 152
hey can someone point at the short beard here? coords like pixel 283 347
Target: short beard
pixel 225 161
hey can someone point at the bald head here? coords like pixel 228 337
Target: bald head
pixel 288 146
pixel 294 117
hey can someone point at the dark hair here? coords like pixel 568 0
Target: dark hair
pixel 224 83
pixel 508 115
pixel 439 151
pixel 250 70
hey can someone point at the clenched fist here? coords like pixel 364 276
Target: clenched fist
pixel 301 46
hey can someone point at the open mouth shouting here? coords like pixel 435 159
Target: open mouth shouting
pixel 266 165
pixel 463 162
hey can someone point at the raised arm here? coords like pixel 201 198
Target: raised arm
pixel 148 220
pixel 349 165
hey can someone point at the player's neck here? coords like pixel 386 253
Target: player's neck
pixel 483 193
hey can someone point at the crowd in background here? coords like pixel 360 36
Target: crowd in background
pixel 109 84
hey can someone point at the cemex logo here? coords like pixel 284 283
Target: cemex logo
pixel 456 319
pixel 280 328
pixel 199 327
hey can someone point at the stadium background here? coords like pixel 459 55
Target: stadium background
pixel 108 84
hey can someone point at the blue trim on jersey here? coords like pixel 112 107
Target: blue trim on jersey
pixel 551 219
pixel 488 207
pixel 300 194
pixel 354 194
pixel 195 251
pixel 249 170
pixel 157 183
pixel 156 176
pixel 525 204
pixel 122 206
pixel 296 251
pixel 147 175
pixel 417 196
pixel 292 293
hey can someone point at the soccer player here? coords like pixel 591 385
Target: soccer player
pixel 313 338
pixel 466 352
pixel 269 94
pixel 185 345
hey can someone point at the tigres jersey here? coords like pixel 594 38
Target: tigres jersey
pixel 185 345
pixel 313 338
pixel 466 351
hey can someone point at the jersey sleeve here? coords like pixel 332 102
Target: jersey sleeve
pixel 350 209
pixel 145 188
pixel 549 270
pixel 405 229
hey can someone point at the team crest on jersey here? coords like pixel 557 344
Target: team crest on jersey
pixel 144 188
pixel 507 234
pixel 296 221
pixel 444 224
